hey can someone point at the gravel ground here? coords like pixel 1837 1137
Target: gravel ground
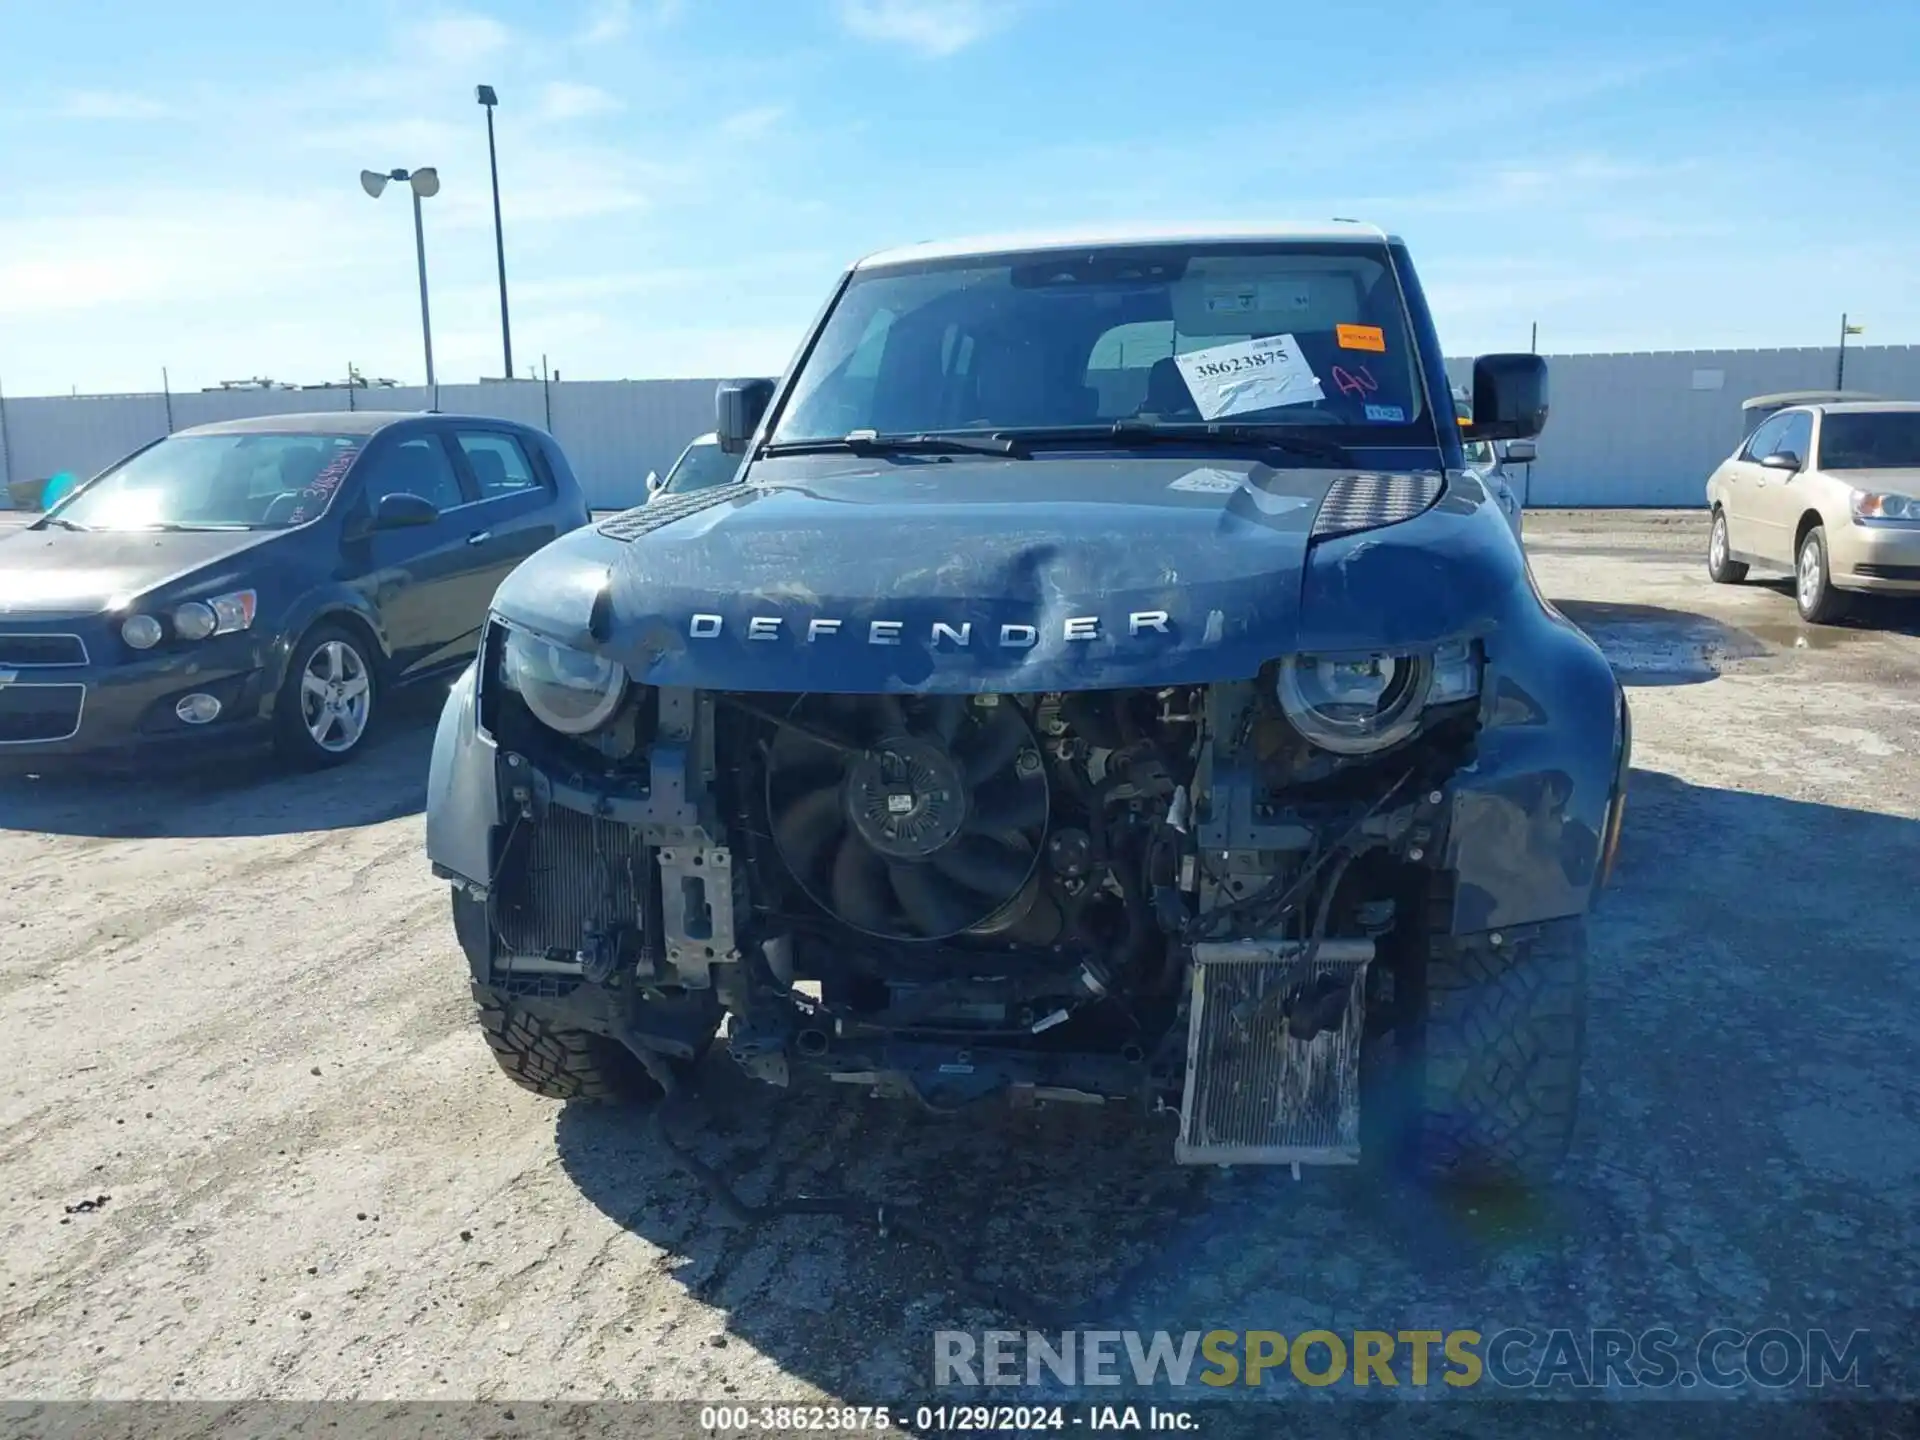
pixel 252 1146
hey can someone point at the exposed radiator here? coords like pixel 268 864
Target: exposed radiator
pixel 562 872
pixel 1256 1094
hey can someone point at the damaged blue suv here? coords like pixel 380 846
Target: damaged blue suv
pixel 1103 682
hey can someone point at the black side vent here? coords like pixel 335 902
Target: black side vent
pixel 573 872
pixel 1366 502
pixel 645 519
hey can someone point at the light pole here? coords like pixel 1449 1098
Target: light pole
pixel 484 94
pixel 424 183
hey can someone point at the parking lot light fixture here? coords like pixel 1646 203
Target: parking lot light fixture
pixel 425 183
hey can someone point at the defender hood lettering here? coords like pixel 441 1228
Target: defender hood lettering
pixel 860 575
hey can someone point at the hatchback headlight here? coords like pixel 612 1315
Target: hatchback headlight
pixel 222 615
pixel 566 689
pixel 1357 704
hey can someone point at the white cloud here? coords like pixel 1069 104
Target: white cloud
pixel 454 38
pixel 610 20
pixel 935 28
pixel 570 100
pixel 111 105
pixel 748 124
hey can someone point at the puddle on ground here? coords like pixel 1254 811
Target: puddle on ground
pixel 1652 645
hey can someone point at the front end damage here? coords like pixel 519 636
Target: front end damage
pixel 1171 897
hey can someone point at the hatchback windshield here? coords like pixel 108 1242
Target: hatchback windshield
pixel 1269 334
pixel 701 465
pixel 215 482
pixel 1870 440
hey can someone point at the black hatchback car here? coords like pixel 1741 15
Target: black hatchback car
pixel 266 578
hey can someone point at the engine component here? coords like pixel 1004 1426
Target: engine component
pixel 1070 853
pixel 909 820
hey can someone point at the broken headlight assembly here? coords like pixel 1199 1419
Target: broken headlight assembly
pixel 567 690
pixel 1358 704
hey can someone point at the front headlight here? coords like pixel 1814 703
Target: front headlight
pixel 222 615
pixel 1357 704
pixel 566 689
pixel 1873 505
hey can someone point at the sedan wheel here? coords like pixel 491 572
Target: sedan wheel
pixel 327 706
pixel 1813 590
pixel 1722 568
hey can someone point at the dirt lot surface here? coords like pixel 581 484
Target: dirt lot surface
pixel 252 1145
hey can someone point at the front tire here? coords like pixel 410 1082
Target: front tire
pixel 1722 568
pixel 559 1063
pixel 1504 1038
pixel 1819 603
pixel 330 699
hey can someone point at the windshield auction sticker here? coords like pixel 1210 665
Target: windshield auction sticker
pixel 1248 375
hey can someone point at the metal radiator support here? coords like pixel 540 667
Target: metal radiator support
pixel 1256 1094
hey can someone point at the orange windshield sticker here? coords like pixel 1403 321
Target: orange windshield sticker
pixel 1361 337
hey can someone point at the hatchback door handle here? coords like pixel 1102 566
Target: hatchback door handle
pixel 479 537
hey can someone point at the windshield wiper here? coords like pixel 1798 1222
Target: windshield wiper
pixel 63 522
pixel 1154 432
pixel 868 442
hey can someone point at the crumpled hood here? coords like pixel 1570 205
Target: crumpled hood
pixel 949 574
pixel 77 572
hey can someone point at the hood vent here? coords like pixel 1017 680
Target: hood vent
pixel 1366 502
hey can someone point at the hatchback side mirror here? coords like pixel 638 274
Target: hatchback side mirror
pixel 1509 398
pixel 1521 452
pixel 1782 460
pixel 404 511
pixel 653 483
pixel 739 406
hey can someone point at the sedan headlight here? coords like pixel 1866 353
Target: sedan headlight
pixel 1874 505
pixel 566 689
pixel 1357 704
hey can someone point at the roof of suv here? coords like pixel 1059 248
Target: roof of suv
pixel 1354 231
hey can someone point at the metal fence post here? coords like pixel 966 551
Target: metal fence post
pixel 166 392
pixel 6 454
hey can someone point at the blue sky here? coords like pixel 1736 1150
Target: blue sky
pixel 682 179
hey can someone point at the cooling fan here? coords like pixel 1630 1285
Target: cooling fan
pixel 909 818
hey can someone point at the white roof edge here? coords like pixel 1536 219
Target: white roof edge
pixel 1096 238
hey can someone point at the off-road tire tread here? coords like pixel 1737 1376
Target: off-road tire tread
pixel 1505 1037
pixel 558 1063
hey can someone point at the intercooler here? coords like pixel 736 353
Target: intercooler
pixel 1257 1093
pixel 564 874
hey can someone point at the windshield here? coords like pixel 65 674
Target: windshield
pixel 1283 334
pixel 703 464
pixel 1870 440
pixel 215 482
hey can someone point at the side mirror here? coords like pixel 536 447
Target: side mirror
pixel 1782 460
pixel 404 511
pixel 653 483
pixel 1509 398
pixel 738 407
pixel 1522 452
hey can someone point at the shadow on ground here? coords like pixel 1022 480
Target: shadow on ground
pixel 249 793
pixel 1748 1155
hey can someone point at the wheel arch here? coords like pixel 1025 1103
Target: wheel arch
pixel 325 610
pixel 1810 519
